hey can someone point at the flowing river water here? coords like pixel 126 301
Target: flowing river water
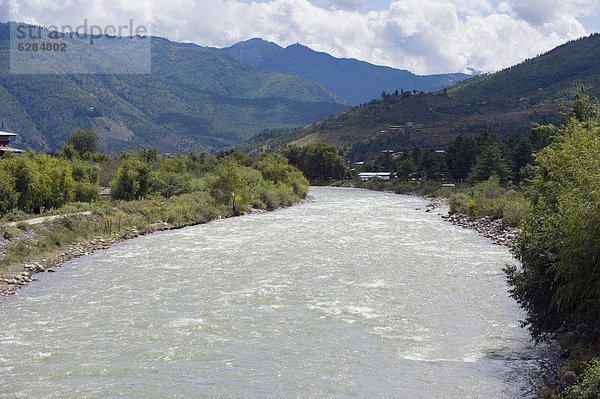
pixel 357 294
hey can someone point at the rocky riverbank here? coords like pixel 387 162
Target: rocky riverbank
pixel 51 261
pixel 493 229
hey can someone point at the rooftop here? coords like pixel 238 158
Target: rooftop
pixel 4 149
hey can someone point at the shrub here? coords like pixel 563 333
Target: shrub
pixel 132 180
pixel 23 226
pixel 8 233
pixel 86 192
pixel 514 210
pixel 588 386
pixel 8 195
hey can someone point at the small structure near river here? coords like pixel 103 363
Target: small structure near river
pixel 368 176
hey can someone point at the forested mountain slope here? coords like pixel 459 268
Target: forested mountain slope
pixel 195 99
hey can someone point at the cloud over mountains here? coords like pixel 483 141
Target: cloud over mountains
pixel 424 36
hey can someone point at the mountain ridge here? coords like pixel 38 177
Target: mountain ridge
pixel 196 99
pixel 351 79
pixel 534 91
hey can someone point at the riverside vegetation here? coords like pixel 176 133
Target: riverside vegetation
pixel 148 192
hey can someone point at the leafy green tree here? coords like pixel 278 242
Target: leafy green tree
pixel 169 184
pixel 277 169
pixel 229 188
pixel 432 165
pixel 406 168
pixel 320 162
pixel 27 184
pixel 58 182
pixel 521 155
pixel 583 108
pixel 149 155
pixel 86 192
pixel 84 142
pixel 41 182
pixel 559 246
pixel 8 196
pixel 84 171
pixel 132 180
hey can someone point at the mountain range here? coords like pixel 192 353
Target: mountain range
pixel 534 91
pixel 195 99
pixel 355 81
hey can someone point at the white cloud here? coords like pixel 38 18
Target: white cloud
pixel 344 4
pixel 539 14
pixel 425 36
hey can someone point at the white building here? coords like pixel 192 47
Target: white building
pixel 367 176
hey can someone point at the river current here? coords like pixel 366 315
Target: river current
pixel 355 294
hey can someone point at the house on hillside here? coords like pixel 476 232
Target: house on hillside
pixel 5 147
pixel 368 176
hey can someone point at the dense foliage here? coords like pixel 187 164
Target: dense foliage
pixel 320 162
pixel 559 247
pixel 589 384
pixel 34 183
pixel 37 183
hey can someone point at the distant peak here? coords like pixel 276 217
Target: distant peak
pixel 298 45
pixel 257 41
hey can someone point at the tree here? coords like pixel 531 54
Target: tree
pixel 406 168
pixel 84 142
pixel 230 188
pixel 431 165
pixel 490 162
pixel 277 169
pixel 317 162
pixel 583 109
pixel 148 155
pixel 169 184
pixel 559 246
pixel 132 180
pixel 460 156
pixel 8 195
pixel 27 184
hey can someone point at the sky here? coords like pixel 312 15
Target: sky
pixel 423 36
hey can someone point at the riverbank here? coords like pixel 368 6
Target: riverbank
pixel 19 269
pixel 494 229
pixel 485 208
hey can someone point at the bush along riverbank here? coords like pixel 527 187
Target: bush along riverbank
pixel 558 283
pixel 148 193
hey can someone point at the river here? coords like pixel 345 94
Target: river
pixel 357 294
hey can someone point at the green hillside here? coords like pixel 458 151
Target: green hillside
pixel 557 74
pixel 195 99
pixel 506 102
